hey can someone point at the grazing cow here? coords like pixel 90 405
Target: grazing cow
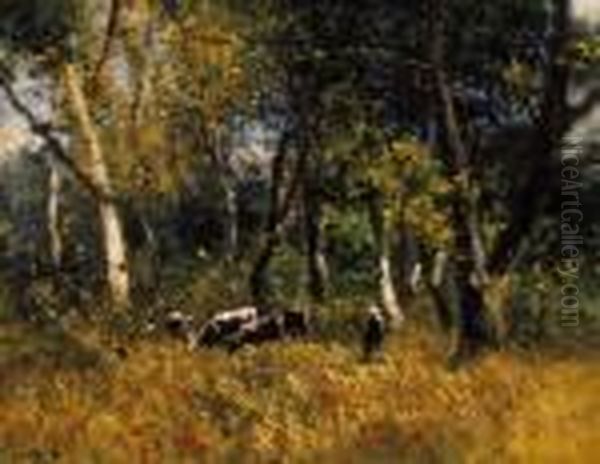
pixel 271 327
pixel 227 324
pixel 239 327
pixel 374 332
pixel 261 330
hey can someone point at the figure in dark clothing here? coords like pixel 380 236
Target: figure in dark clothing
pixel 374 333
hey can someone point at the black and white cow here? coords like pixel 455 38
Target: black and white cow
pixel 226 325
pixel 242 326
pixel 271 327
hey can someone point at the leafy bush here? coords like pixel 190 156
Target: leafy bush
pixel 351 249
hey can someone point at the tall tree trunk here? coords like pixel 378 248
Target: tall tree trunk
pixel 387 288
pixel 115 248
pixel 473 326
pixel 470 275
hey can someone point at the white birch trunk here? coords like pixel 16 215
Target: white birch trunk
pixel 53 215
pixel 115 248
pixel 389 298
pixel 323 267
pixel 381 233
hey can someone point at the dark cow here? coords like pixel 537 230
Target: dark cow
pixel 295 323
pixel 271 327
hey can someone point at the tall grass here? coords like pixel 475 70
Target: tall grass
pixel 293 402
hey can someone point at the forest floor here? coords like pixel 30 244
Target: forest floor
pixel 73 398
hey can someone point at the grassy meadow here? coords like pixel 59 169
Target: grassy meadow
pixel 73 397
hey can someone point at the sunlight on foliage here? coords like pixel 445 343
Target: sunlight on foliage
pixel 414 188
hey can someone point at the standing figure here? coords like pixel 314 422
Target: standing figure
pixel 374 332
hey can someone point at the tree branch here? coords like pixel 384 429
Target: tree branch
pixel 45 132
pixel 111 29
pixel 465 208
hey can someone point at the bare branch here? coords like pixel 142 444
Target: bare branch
pixel 111 29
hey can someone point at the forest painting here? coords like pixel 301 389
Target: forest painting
pixel 295 231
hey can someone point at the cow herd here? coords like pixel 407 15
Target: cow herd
pixel 237 327
pixel 248 325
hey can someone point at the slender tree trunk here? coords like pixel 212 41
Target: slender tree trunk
pixel 387 288
pixel 409 265
pixel 53 215
pixel 278 213
pixel 231 211
pixel 145 259
pixel 322 263
pixel 219 149
pixel 316 262
pixel 115 248
pixel 470 269
pixel 443 290
pixel 388 291
pixel 474 329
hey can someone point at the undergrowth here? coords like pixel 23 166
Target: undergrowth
pixel 307 402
